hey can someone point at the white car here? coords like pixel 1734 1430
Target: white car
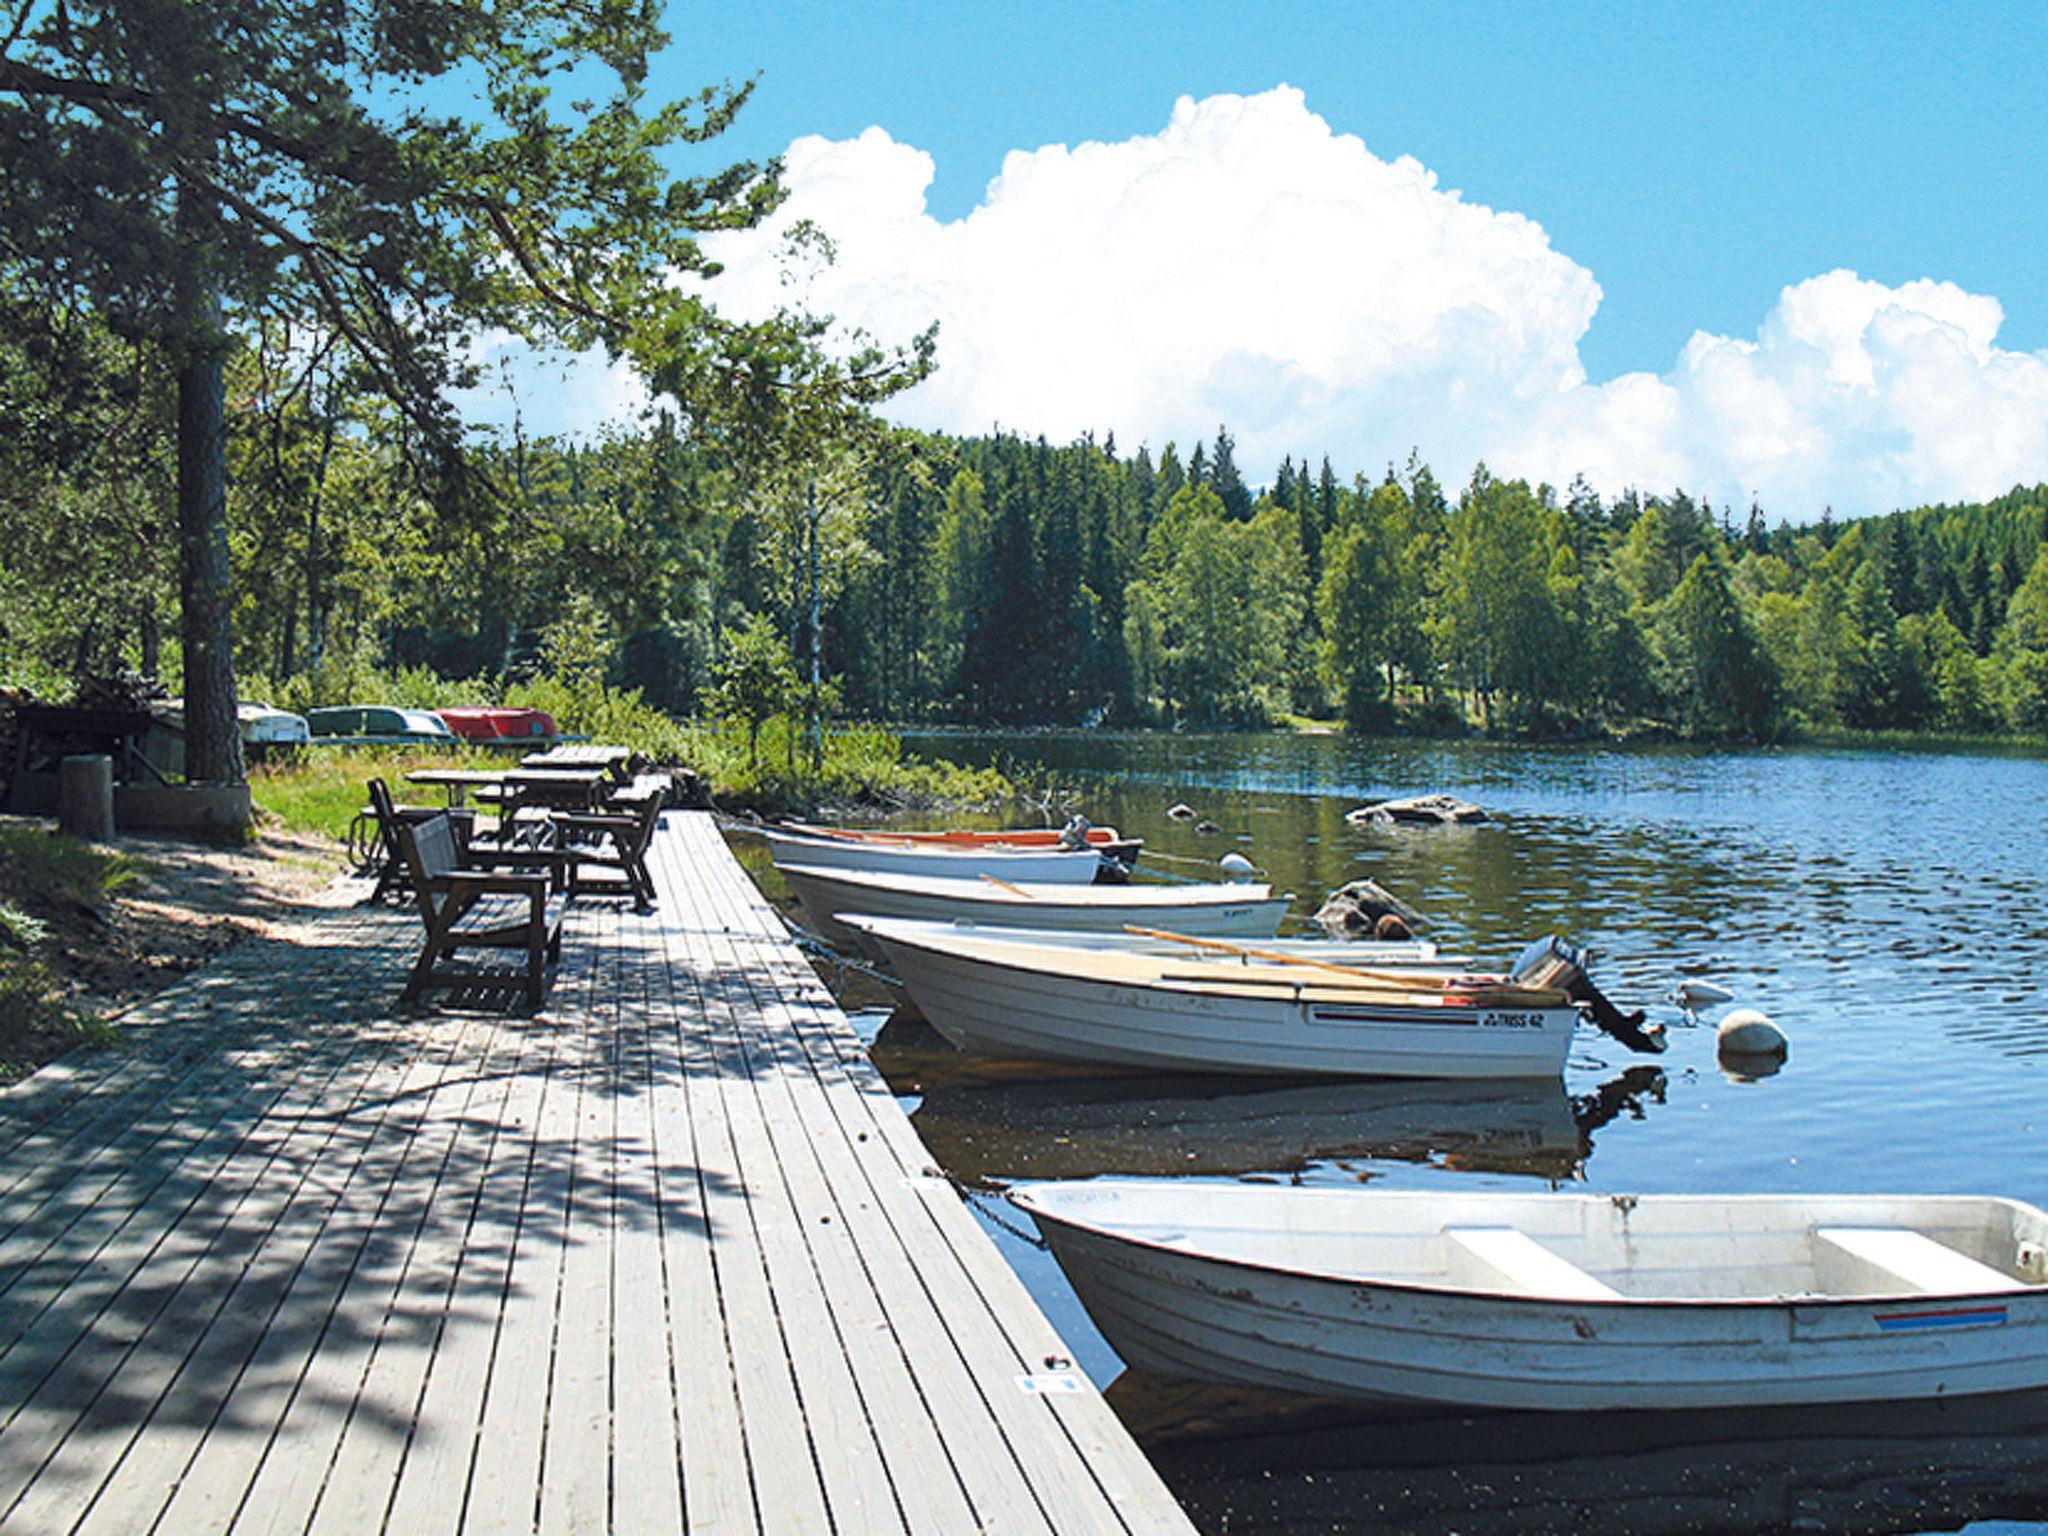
pixel 266 727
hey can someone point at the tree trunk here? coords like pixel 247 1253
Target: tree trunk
pixel 213 744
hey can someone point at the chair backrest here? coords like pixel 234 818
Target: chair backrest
pixel 644 806
pixel 428 848
pixel 382 804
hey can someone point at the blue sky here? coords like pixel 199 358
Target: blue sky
pixel 1783 252
pixel 1697 158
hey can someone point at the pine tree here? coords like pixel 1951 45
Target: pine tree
pixel 1230 487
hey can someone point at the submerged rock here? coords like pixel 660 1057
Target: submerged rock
pixel 1426 810
pixel 1354 911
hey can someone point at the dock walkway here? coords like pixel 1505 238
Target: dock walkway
pixel 666 1257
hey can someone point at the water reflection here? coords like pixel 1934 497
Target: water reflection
pixel 997 1132
pixel 1242 1461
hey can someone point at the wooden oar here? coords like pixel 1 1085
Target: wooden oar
pixel 1413 981
pixel 1335 981
pixel 1014 890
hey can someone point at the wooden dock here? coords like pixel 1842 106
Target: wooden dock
pixel 666 1257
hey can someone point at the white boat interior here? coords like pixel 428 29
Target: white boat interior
pixel 1583 1248
pixel 1248 970
pixel 1122 939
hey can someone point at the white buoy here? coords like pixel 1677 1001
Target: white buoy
pixel 1236 866
pixel 1746 1032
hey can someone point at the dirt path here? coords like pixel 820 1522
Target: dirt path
pixel 192 902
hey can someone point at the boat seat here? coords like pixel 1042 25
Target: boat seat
pixel 1506 1259
pixel 1881 1261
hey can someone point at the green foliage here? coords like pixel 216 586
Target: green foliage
pixel 755 681
pixel 862 765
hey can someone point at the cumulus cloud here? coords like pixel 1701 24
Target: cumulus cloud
pixel 1249 265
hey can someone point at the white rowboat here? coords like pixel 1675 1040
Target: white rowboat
pixel 1243 911
pixel 1001 994
pixel 1053 866
pixel 1559 1301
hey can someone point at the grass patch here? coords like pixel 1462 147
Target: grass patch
pixel 862 765
pixel 42 875
pixel 321 790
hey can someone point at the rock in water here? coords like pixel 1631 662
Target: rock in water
pixel 1353 911
pixel 1181 812
pixel 1746 1032
pixel 1236 866
pixel 1424 809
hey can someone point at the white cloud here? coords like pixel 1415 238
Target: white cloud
pixel 1247 265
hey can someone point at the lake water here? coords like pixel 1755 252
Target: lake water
pixel 1885 908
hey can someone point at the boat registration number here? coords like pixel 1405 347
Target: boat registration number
pixel 1494 1020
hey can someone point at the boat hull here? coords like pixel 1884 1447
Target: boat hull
pixel 1106 841
pixel 1056 1011
pixel 1048 866
pixel 1208 911
pixel 1186 1314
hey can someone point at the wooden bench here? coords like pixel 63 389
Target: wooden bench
pixel 1506 1259
pixel 466 909
pixel 1891 1261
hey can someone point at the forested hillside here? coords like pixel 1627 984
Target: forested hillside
pixel 1004 580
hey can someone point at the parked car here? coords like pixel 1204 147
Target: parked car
pixel 476 723
pixel 262 726
pixel 378 722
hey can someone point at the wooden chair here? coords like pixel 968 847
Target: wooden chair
pixel 477 909
pixel 608 851
pixel 380 846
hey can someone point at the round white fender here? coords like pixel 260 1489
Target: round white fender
pixel 1746 1032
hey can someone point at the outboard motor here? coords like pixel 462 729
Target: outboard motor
pixel 1075 833
pixel 1550 962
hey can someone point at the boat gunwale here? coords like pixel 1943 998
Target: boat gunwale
pixel 1194 897
pixel 1283 989
pixel 1017 1196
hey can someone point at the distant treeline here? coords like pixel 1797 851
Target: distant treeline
pixel 1005 580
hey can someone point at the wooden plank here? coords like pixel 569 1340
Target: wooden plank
pixel 352 1411
pixel 57 1360
pixel 44 1129
pixel 219 1303
pixel 308 1346
pixel 1103 1478
pixel 780 1441
pixel 91 1255
pixel 920 1397
pixel 503 1489
pixel 810 1282
pixel 717 1486
pixel 576 1460
pixel 647 1453
pixel 436 1473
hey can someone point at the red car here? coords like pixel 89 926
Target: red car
pixel 480 724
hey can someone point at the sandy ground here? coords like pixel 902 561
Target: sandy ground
pixel 194 901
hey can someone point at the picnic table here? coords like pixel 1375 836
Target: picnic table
pixel 562 789
pixel 615 761
pixel 457 781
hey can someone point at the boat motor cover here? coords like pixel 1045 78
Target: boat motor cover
pixel 1550 962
